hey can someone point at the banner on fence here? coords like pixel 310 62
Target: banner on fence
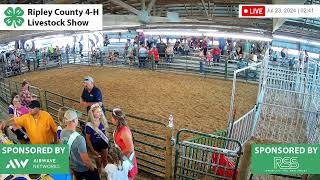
pixel 34 159
pixel 286 159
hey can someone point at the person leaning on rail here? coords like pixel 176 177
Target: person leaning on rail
pixel 39 125
pixel 91 94
pixel 80 164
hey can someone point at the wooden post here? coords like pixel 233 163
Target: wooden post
pixel 169 156
pixel 43 99
pixel 245 161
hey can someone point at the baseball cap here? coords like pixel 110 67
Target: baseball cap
pixel 34 104
pixel 70 115
pixel 88 79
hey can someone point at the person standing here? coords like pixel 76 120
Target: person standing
pixel 204 47
pixel 284 53
pixel 67 52
pixel 123 139
pixel 161 47
pixel 91 94
pixel 80 163
pixel 143 54
pixel 118 165
pixel 246 49
pixel 155 55
pixel 80 49
pixel 39 125
pixel 39 57
pixel 96 135
pixel 169 53
pixel 25 95
pixel 216 54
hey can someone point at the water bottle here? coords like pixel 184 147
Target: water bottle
pixel 59 132
pixel 170 121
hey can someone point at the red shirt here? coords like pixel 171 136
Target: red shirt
pixel 216 51
pixel 155 54
pixel 119 141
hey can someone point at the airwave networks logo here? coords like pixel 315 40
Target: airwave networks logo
pixel 286 163
pixel 16 164
pixel 14 17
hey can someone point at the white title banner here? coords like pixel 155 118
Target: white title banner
pixel 279 11
pixel 51 17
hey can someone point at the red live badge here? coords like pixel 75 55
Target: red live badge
pixel 253 10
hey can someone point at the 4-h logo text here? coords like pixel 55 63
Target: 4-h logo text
pixel 16 164
pixel 14 17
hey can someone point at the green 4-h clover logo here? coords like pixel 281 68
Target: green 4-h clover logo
pixel 14 16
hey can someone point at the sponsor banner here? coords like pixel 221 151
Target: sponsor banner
pixel 34 159
pixel 51 17
pixel 279 11
pixel 286 159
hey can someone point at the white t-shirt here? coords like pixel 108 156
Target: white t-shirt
pixel 115 173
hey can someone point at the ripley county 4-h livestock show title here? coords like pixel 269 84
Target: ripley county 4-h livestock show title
pixel 51 17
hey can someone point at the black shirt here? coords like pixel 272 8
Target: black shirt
pixel 94 95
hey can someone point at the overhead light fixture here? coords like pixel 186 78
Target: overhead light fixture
pixel 254 32
pixel 238 36
pixel 172 33
pixel 122 25
pixel 314 43
pixel 115 30
pixel 290 38
pixel 207 30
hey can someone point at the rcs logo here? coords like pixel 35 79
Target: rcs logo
pixel 286 163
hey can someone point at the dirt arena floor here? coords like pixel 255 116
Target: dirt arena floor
pixel 197 103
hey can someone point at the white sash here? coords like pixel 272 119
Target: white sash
pixel 100 133
pixel 130 159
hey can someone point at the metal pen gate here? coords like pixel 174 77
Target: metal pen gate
pixel 205 159
pixel 152 144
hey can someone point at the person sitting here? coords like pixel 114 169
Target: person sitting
pixel 40 126
pixel 17 110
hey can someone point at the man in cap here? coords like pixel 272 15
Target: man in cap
pixel 91 94
pixel 39 125
pixel 80 163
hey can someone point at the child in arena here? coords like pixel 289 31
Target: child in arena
pixel 209 58
pixel 118 165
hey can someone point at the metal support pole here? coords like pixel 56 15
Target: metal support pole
pixel 226 69
pixel 169 148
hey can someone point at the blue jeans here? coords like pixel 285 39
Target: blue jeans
pixel 142 62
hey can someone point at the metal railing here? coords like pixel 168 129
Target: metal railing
pixel 242 128
pixel 8 87
pixel 187 64
pixel 202 160
pixel 151 144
